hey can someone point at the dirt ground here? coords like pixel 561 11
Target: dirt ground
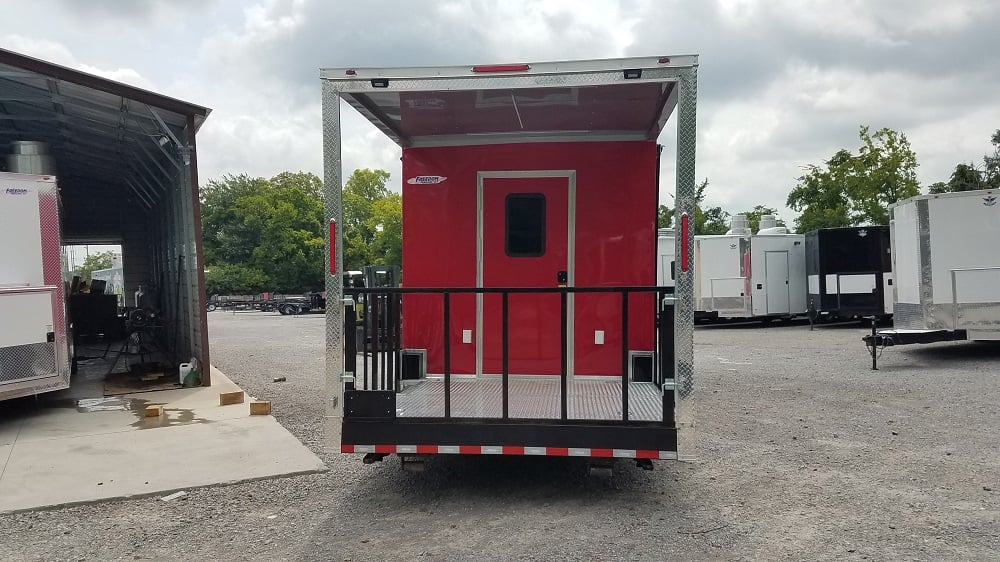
pixel 804 454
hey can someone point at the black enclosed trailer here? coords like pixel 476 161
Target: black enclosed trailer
pixel 849 272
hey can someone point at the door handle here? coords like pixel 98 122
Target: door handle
pixel 562 278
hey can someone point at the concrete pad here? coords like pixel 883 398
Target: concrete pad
pixel 61 455
pixel 9 428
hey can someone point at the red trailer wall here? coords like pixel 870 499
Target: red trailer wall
pixel 615 243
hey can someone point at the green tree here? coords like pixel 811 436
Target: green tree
pixel 94 262
pixel 238 279
pixel 857 189
pixel 965 178
pixel 820 195
pixel 664 216
pixel 364 244
pixel 264 235
pixel 938 187
pixel 712 220
pixel 226 238
pixel 883 172
pixel 753 216
pixel 387 223
pixel 991 164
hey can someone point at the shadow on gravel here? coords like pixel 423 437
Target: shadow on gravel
pixel 752 324
pixel 511 476
pixel 955 352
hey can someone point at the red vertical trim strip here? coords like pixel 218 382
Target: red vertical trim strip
pixel 332 244
pixel 685 234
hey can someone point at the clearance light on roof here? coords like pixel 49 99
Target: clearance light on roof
pixel 351 72
pixel 664 60
pixel 501 68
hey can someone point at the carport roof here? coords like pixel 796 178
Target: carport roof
pixel 103 135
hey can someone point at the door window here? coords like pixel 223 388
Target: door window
pixel 525 225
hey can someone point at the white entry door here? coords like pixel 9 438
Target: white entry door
pixel 776 270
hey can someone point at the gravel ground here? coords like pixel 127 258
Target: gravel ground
pixel 805 454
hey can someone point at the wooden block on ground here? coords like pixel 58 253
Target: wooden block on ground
pixel 227 398
pixel 154 410
pixel 260 407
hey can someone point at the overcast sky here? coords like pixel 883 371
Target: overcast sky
pixel 782 84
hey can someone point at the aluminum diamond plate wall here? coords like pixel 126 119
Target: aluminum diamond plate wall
pixel 684 290
pixel 334 285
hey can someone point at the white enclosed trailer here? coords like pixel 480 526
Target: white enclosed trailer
pixel 946 264
pixel 34 349
pixel 739 275
pixel 666 264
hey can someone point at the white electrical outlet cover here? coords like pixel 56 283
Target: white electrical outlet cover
pixel 466 336
pixel 599 337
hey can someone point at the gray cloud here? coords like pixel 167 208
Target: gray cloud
pixel 781 83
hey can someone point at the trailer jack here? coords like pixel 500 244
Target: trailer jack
pixel 372 458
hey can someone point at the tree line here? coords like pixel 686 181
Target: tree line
pixel 854 188
pixel 269 235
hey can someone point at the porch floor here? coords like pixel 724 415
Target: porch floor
pixel 531 397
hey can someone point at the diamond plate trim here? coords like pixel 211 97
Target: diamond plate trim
pixel 29 361
pixel 684 288
pixel 332 177
pixel 529 399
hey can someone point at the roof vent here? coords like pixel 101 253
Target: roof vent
pixel 739 226
pixel 30 157
pixel 767 221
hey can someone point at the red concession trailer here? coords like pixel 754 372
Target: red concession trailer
pixel 528 321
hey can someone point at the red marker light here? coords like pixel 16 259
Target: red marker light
pixel 501 68
pixel 351 72
pixel 685 232
pixel 332 243
pixel 664 60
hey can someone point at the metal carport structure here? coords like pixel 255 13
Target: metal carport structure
pixel 126 162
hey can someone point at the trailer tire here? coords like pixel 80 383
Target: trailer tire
pixel 211 307
pixel 286 309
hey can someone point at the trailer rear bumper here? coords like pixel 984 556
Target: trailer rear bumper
pixel 424 436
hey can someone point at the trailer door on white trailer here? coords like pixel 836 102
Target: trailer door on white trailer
pixel 776 273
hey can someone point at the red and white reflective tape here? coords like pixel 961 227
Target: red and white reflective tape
pixel 509 450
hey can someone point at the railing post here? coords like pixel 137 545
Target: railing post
pixel 398 347
pixel 667 365
pixel 505 367
pixel 564 365
pixel 378 377
pixel 447 354
pixel 365 331
pixel 624 355
pixel 350 341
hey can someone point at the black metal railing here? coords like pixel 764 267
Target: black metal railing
pixel 372 330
